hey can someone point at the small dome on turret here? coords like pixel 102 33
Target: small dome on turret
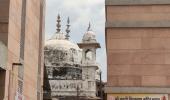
pixel 89 36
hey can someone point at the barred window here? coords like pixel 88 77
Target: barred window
pixel 22 45
pixel 20 72
pixel 20 86
pixel 20 79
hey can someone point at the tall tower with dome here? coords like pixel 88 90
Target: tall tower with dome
pixel 70 68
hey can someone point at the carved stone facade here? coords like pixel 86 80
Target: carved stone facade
pixel 70 68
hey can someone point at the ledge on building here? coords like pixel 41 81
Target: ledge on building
pixel 136 2
pixel 124 24
pixel 109 89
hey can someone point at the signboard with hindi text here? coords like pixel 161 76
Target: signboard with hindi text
pixel 137 97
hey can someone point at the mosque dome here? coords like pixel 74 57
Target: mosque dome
pixel 59 41
pixel 89 36
pixel 60 50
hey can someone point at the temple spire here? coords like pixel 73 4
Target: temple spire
pixel 67 29
pixel 89 28
pixel 58 24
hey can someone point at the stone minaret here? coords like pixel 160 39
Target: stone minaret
pixel 89 46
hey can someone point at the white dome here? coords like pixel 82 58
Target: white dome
pixel 59 40
pixel 64 44
pixel 89 36
pixel 59 36
pixel 58 49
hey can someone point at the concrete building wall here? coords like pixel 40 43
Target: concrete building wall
pixel 14 28
pixel 12 25
pixel 137 39
pixel 138 56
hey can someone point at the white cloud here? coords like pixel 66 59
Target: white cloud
pixel 82 3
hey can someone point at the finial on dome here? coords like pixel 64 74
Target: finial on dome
pixel 68 30
pixel 89 28
pixel 58 24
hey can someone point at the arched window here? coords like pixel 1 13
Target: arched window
pixel 88 55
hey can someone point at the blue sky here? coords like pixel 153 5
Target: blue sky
pixel 81 12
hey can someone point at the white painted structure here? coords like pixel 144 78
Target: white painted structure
pixel 71 68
